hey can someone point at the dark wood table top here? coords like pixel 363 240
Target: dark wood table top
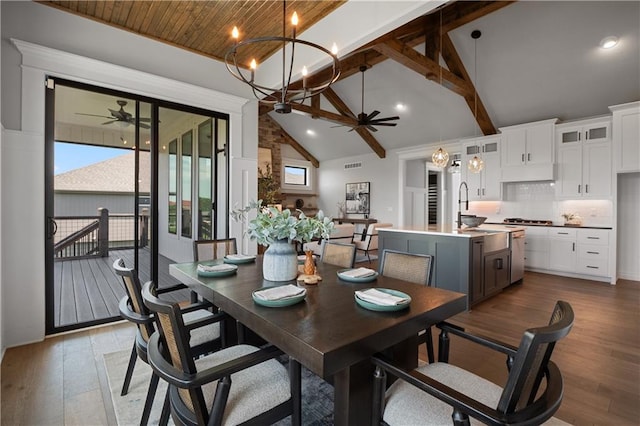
pixel 328 331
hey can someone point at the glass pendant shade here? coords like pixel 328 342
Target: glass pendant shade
pixel 440 158
pixel 476 164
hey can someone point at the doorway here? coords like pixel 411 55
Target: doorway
pixel 108 196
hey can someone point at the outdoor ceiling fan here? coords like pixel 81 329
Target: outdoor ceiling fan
pixel 368 120
pixel 121 116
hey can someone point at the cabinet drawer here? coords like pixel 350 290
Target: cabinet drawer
pixel 564 233
pixel 593 267
pixel 593 236
pixel 593 251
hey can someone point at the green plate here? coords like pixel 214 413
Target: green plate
pixel 280 302
pixel 239 261
pixel 366 279
pixel 384 308
pixel 218 274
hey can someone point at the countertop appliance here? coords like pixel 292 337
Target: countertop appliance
pixel 516 242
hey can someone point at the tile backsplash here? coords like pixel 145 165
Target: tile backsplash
pixel 537 200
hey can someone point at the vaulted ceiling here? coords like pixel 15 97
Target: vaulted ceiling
pixel 534 60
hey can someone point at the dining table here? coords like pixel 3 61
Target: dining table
pixel 328 331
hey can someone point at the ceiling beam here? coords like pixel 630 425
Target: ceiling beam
pixel 339 104
pixel 412 59
pixel 295 145
pixel 454 63
pixel 326 115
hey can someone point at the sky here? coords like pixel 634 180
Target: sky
pixel 70 156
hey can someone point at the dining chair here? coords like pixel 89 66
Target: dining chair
pixel 238 384
pixel 415 268
pixel 367 242
pixel 205 336
pixel 442 393
pixel 339 254
pixel 213 249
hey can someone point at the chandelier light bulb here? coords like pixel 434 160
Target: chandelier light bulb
pixel 334 49
pixel 253 65
pixel 304 77
pixel 294 19
pixel 440 158
pixel 235 33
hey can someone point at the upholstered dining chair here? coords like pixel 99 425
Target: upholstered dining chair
pixel 367 242
pixel 205 336
pixel 415 268
pixel 442 393
pixel 213 249
pixel 240 384
pixel 339 254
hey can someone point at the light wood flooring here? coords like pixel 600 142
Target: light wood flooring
pixel 62 380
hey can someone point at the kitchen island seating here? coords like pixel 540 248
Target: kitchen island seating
pixel 339 254
pixel 237 384
pixel 441 393
pixel 205 335
pixel 368 242
pixel 415 268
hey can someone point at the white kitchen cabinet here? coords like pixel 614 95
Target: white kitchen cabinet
pixel 486 184
pixel 584 159
pixel 536 247
pixel 593 252
pixel 625 132
pixel 527 151
pixel 563 249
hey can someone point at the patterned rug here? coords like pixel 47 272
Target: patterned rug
pixel 317 395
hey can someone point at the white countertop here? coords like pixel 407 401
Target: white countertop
pixel 451 230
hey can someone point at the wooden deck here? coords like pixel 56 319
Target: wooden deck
pixel 88 291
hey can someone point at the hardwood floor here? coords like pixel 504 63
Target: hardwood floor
pixel 62 380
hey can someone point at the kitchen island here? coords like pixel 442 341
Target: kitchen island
pixel 472 261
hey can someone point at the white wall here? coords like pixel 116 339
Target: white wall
pixel 23 73
pixel 628 230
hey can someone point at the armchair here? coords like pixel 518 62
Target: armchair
pixel 342 233
pixel 441 393
pixel 368 242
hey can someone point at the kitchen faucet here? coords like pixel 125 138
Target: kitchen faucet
pixel 466 205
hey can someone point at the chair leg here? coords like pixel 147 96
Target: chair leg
pixel 443 347
pixel 130 367
pixel 151 394
pixel 164 416
pixel 379 386
pixel 295 377
pixel 429 343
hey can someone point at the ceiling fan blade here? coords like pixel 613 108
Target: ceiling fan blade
pixel 116 114
pixel 386 124
pixel 373 114
pixel 145 119
pixel 371 128
pixel 109 122
pixel 93 115
pixel 144 126
pixel 387 119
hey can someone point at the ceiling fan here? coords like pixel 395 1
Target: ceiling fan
pixel 121 116
pixel 368 120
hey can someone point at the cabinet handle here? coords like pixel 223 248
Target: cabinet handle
pixel 593 252
pixel 482 191
pixel 563 233
pixel 593 238
pixel 498 263
pixel 593 267
pixel 523 157
pixel 579 188
pixel 574 247
pixel 478 191
pixel 529 157
pixel 586 189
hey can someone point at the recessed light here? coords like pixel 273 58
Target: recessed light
pixel 311 132
pixel 400 107
pixel 609 42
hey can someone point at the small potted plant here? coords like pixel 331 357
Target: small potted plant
pixel 572 219
pixel 278 230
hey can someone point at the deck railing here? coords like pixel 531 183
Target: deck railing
pixel 93 236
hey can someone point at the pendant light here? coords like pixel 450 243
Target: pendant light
pixel 476 164
pixel 440 158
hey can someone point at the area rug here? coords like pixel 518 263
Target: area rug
pixel 317 395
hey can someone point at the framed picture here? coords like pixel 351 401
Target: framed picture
pixel 357 198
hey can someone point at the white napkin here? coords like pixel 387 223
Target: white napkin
pixel 216 268
pixel 378 297
pixel 358 272
pixel 280 292
pixel 240 256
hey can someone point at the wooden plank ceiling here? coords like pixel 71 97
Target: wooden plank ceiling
pixel 196 26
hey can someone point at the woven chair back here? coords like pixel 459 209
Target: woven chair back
pixel 415 268
pixel 133 288
pixel 339 254
pixel 213 249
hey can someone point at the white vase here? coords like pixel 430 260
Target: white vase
pixel 280 262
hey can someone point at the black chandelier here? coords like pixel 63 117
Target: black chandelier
pixel 281 97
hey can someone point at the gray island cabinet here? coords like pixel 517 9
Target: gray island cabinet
pixel 472 262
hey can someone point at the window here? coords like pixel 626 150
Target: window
pixel 294 175
pixel 173 187
pixel 187 149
